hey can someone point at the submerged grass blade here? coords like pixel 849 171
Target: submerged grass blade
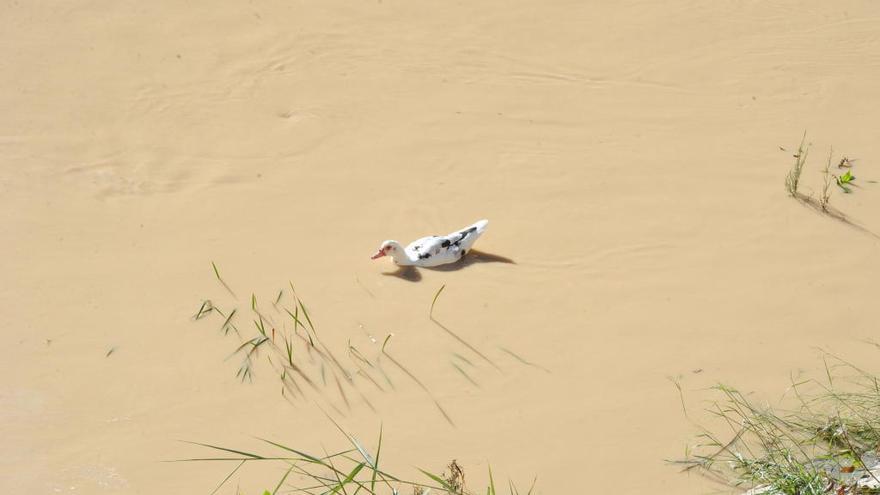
pixel 220 279
pixel 260 326
pixel 677 382
pixel 308 318
pixel 453 334
pixel 434 301
pixel 523 360
pixel 415 379
pixel 298 323
pixel 288 346
pixel 465 375
pixel 227 324
pixel 467 344
pixel 204 309
pixel 459 356
pixel 532 488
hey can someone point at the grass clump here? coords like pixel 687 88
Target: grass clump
pixel 284 340
pixel 827 444
pixel 352 470
pixel 822 204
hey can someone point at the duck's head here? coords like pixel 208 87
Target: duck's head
pixel 389 248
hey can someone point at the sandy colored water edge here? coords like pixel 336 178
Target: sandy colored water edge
pixel 628 158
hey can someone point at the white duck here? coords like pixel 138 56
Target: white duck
pixel 433 250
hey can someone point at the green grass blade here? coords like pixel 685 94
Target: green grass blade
pixel 281 481
pixel 446 486
pixel 226 324
pixel 306 314
pixel 376 463
pixel 367 457
pixel 302 454
pixel 491 489
pixel 224 449
pixel 350 477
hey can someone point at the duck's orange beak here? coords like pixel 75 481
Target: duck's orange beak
pixel 378 255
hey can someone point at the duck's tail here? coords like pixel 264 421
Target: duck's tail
pixel 480 226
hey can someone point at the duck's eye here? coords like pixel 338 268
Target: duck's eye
pixel 388 248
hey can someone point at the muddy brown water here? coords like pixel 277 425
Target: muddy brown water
pixel 626 154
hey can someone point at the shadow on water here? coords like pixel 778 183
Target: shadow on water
pixel 408 273
pixel 411 273
pixel 833 213
pixel 465 343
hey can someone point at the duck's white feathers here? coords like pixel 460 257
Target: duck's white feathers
pixel 440 250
